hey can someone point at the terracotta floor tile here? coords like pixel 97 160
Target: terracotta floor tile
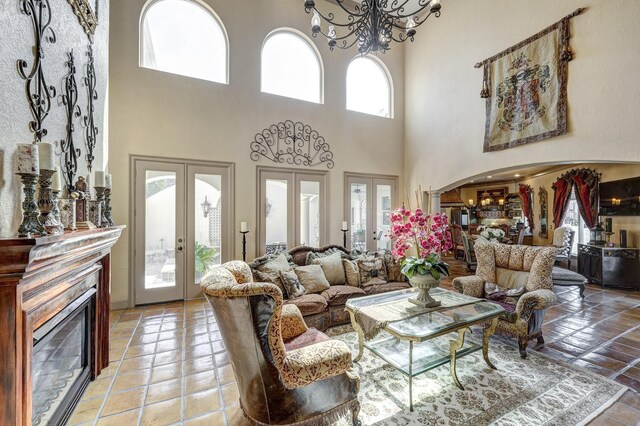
pixel 197 351
pixel 123 419
pixel 164 391
pixel 632 399
pixel 604 361
pixel 140 350
pixel 123 401
pixel 593 367
pixel 564 347
pixel 99 387
pixel 201 403
pixel 235 417
pixel 166 372
pixel 212 419
pixel 162 413
pixel 86 410
pixel 138 363
pixel 624 413
pixel 130 380
pixel 197 365
pixel 226 375
pixel 611 353
pixel 200 381
pixel 230 395
pixel 604 420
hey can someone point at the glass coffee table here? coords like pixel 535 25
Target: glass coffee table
pixel 418 327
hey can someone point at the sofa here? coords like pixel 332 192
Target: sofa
pixel 518 278
pixel 325 309
pixel 286 372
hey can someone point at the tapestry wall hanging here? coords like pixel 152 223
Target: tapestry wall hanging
pixel 526 89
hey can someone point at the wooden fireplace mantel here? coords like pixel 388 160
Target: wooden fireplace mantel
pixel 38 278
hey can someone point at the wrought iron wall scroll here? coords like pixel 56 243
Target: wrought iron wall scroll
pixel 39 94
pixel 70 100
pixel 91 130
pixel 292 143
pixel 87 15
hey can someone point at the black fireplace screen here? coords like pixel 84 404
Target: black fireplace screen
pixel 61 362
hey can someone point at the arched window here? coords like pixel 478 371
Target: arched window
pixel 291 66
pixel 184 37
pixel 369 87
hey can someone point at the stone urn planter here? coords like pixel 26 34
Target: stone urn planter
pixel 424 283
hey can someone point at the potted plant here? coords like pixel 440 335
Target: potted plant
pixel 492 234
pixel 430 237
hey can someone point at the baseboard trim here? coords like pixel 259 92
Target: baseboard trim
pixel 116 306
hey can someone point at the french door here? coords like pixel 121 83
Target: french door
pixel 292 209
pixel 182 226
pixel 369 200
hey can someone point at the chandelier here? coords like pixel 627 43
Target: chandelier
pixel 372 24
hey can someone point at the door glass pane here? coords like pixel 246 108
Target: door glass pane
pixel 208 223
pixel 358 216
pixel 572 219
pixel 276 215
pixel 310 213
pixel 383 201
pixel 160 229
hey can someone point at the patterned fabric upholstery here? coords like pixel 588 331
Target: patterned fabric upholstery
pixel 298 367
pixel 531 265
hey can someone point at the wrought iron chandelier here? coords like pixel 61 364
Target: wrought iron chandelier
pixel 372 24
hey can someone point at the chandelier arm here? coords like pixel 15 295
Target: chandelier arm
pixel 344 37
pixel 352 19
pixel 358 11
pixel 397 7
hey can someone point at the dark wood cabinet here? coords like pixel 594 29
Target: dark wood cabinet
pixel 41 278
pixel 610 266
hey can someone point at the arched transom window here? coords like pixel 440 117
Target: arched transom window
pixel 184 37
pixel 291 66
pixel 369 87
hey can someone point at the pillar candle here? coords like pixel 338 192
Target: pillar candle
pixel 243 226
pixel 55 181
pixel 107 180
pixel 470 202
pixel 345 226
pixel 99 178
pixel 28 162
pixel 46 156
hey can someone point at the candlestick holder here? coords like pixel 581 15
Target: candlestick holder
pixel 68 213
pixel 244 245
pixel 107 207
pixel 56 205
pixel 46 204
pixel 30 225
pixel 100 190
pixel 344 237
pixel 94 215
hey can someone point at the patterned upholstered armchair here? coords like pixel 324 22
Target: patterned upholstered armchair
pixel 286 373
pixel 514 266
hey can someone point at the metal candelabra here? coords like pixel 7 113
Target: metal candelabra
pixel 244 245
pixel 47 204
pixel 344 237
pixel 100 192
pixel 30 225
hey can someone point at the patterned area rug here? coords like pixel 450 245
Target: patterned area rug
pixel 535 391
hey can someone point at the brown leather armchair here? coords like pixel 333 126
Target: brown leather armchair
pixel 286 373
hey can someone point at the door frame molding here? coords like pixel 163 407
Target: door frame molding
pixel 133 158
pixel 260 197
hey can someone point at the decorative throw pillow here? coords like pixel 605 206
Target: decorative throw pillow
pixel 269 277
pixel 276 264
pixel 393 267
pixel 312 278
pixel 311 256
pixel 260 262
pixel 351 272
pixel 292 284
pixel 332 267
pixel 372 271
pixel 500 294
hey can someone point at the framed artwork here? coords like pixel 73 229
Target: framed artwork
pixel 525 88
pixel 87 13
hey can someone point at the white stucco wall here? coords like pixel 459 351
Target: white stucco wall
pixel 16 42
pixel 445 116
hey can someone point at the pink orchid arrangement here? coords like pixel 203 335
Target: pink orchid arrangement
pixel 430 236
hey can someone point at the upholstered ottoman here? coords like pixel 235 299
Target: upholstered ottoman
pixel 566 278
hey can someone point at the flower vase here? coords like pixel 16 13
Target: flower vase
pixel 424 283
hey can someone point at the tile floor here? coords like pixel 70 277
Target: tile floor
pixel 169 365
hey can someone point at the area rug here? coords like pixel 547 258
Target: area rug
pixel 531 392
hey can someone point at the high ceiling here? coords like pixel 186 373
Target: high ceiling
pixel 514 175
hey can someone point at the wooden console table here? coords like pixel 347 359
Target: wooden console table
pixel 610 266
pixel 39 278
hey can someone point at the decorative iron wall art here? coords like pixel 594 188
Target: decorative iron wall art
pixel 292 143
pixel 39 93
pixel 70 101
pixel 87 15
pixel 91 130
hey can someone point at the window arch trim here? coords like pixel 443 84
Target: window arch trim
pixel 385 70
pixel 208 10
pixel 309 43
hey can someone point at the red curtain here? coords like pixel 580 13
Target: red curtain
pixel 526 194
pixel 562 194
pixel 586 182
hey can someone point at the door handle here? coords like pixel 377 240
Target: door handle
pixel 179 248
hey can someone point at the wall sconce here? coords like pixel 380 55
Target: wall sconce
pixel 206 206
pixel 501 201
pixel 615 201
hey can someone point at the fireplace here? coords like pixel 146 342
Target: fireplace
pixel 61 361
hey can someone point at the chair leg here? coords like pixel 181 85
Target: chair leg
pixel 541 340
pixel 582 288
pixel 569 262
pixel 522 346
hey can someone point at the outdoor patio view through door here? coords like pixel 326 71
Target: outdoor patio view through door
pixel 369 199
pixel 182 213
